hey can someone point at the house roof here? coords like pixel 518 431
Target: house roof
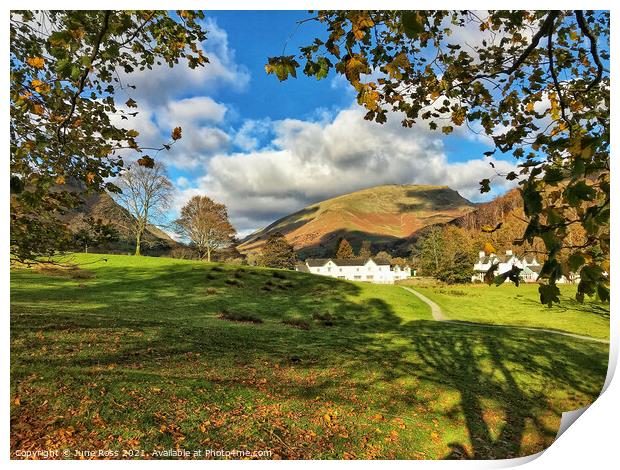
pixel 318 262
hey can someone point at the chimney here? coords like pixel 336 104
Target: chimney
pixel 508 252
pixel 481 254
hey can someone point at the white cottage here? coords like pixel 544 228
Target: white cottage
pixel 357 269
pixel 528 264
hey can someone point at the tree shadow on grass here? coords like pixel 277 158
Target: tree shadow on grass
pixel 514 370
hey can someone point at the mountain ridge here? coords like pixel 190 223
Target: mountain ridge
pixel 382 214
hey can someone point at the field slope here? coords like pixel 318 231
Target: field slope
pixel 149 355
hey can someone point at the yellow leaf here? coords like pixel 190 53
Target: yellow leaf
pixel 36 62
pixel 530 106
pixel 90 177
pixel 458 116
pixel 17 401
pixel 488 248
pixel 60 180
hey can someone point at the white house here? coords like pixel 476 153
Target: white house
pixel 530 267
pixel 357 269
pixel 528 264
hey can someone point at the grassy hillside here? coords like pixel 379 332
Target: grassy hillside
pixel 520 306
pixel 157 354
pixel 382 214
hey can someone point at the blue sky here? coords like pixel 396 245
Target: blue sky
pixel 267 148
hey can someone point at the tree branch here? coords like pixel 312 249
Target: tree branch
pixel 62 128
pixel 593 49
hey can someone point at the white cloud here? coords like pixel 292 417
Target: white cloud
pixel 310 161
pixel 160 84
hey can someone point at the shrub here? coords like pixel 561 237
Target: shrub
pixel 183 253
pixel 279 275
pixel 297 323
pixel 211 291
pixel 238 273
pixel 239 317
pixel 217 269
pixel 266 288
pixel 210 276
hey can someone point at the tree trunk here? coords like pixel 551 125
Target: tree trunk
pixel 138 242
pixel 208 254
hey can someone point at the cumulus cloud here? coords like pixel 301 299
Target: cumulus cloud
pixel 309 161
pixel 222 71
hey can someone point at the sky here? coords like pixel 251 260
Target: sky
pixel 267 148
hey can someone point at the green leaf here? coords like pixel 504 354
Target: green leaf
pixel 413 23
pixel 282 67
pixel 549 293
pixel 575 262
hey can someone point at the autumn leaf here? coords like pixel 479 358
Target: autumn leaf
pixel 40 87
pixel 36 62
pixel 176 133
pixel 458 116
pixel 488 248
pixel 146 161
pixel 60 180
pixel 490 228
pixel 90 177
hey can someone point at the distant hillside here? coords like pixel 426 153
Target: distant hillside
pixel 102 206
pixel 385 215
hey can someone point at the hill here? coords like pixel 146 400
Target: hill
pixel 383 215
pixel 102 206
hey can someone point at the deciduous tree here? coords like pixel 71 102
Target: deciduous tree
pixel 278 253
pixel 344 250
pixel 145 194
pixel 205 224
pixel 65 89
pixel 365 249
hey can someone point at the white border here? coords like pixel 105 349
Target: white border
pixel 591 442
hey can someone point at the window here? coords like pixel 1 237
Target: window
pixel 357 278
pixel 340 269
pixel 329 270
pixel 370 278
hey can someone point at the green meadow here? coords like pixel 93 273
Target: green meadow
pixel 135 355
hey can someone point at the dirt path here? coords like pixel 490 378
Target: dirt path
pixel 438 315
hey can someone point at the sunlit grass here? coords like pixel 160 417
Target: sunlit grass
pixel 136 356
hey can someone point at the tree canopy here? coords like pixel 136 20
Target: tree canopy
pixel 344 249
pixel 145 194
pixel 278 253
pixel 205 224
pixel 534 83
pixel 66 69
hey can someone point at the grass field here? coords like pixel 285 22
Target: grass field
pixel 520 306
pixel 135 355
